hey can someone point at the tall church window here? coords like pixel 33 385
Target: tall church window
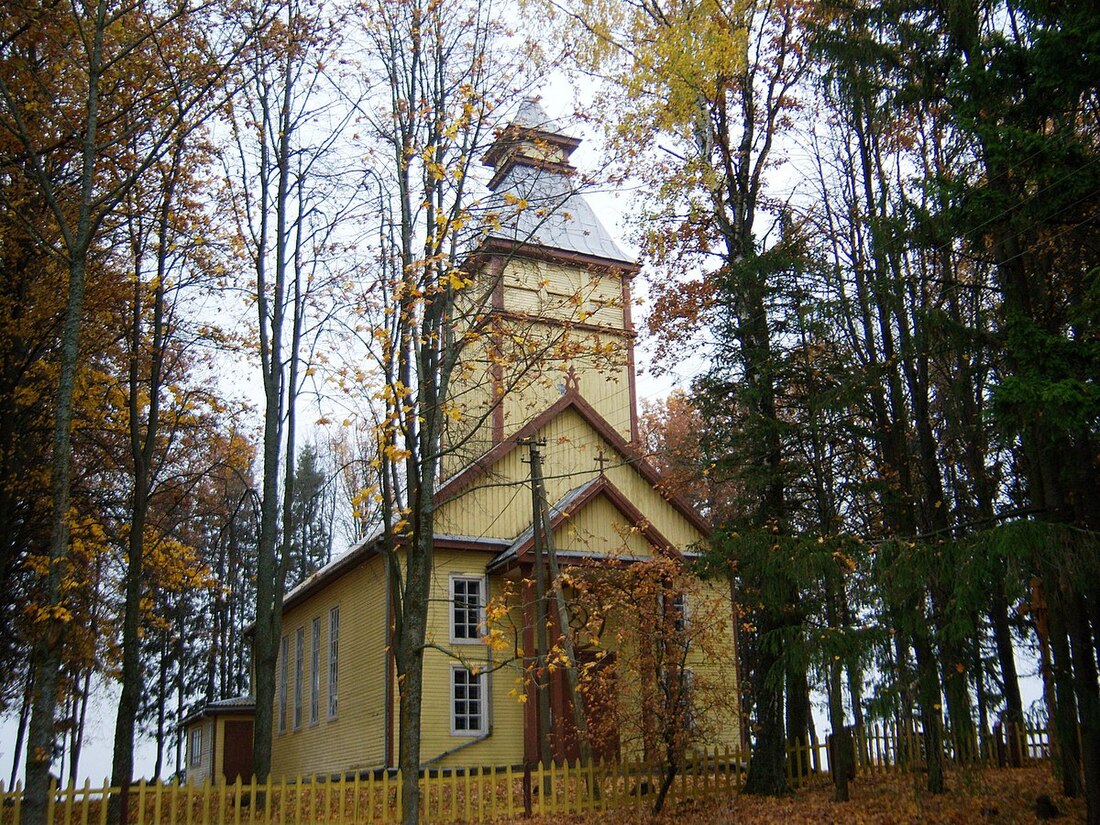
pixel 468 693
pixel 333 659
pixel 467 608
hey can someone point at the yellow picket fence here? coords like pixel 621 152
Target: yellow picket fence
pixel 492 794
pixel 447 795
pixel 880 749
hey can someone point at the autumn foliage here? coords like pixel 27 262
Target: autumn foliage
pixel 992 795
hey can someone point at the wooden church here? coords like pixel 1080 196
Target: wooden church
pixel 561 287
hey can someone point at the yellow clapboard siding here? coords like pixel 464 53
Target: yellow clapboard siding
pixel 597 528
pixel 355 738
pixel 498 508
pixel 563 292
pixel 505 743
pixel 599 367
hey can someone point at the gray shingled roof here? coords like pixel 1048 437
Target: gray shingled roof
pixel 555 214
pixel 532 116
pixel 232 702
pixel 552 212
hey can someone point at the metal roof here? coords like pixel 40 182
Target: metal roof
pixel 532 116
pixel 546 207
pixel 541 203
pixel 239 704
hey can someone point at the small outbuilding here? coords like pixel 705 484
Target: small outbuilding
pixel 219 741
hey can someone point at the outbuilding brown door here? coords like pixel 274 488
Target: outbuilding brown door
pixel 237 751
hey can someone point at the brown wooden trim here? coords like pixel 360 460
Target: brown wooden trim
pixel 628 313
pixel 462 480
pixel 651 533
pixel 497 389
pixel 528 249
pixel 517 158
pixel 527 317
pixel 512 134
pixel 632 391
pixel 604 486
pixel 466 478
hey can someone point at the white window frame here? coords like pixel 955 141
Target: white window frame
pixel 679 602
pixel 483 588
pixel 333 661
pixel 462 677
pixel 299 673
pixel 689 700
pixel 284 676
pixel 315 672
pixel 687 693
pixel 196 747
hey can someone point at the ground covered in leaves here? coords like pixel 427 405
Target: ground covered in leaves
pixel 974 796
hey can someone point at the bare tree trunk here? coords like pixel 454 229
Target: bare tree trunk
pixel 21 729
pixel 80 718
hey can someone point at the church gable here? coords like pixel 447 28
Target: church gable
pixel 595 528
pixel 491 497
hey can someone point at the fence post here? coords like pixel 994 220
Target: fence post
pixel 51 801
pixel 399 795
pixel 480 792
pixel 527 806
pixel 708 774
pixel 86 801
pixel 508 783
pixel 141 801
pixel 489 789
pixel 18 789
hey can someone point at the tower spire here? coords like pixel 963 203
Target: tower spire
pixel 532 139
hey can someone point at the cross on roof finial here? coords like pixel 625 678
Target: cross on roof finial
pixel 602 460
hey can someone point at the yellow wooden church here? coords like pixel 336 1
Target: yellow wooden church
pixel 563 288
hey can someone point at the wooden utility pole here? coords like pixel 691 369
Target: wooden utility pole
pixel 544 526
pixel 572 672
pixel 542 669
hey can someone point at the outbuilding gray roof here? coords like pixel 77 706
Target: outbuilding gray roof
pixel 240 704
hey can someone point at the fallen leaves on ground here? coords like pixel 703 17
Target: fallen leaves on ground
pixel 974 796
